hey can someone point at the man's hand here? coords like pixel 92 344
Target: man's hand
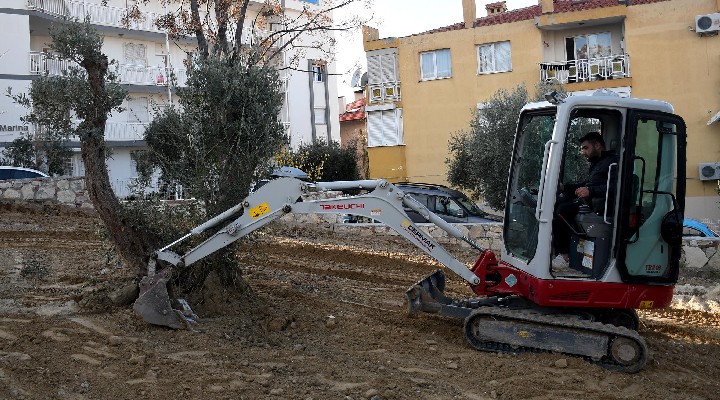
pixel 582 192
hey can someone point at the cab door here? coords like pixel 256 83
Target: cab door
pixel 653 197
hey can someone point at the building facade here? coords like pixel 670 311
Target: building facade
pixel 424 87
pixel 151 67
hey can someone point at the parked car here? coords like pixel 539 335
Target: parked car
pixel 692 227
pixel 7 173
pixel 449 204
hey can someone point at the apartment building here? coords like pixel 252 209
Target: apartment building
pixel 423 87
pixel 151 67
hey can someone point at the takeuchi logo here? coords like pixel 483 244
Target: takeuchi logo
pixel 13 128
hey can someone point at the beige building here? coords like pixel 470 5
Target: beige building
pixel 423 87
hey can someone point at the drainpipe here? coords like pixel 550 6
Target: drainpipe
pixel 311 74
pixel 168 62
pixel 328 123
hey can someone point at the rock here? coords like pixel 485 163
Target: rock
pixel 125 295
pixel 276 392
pixel 331 322
pixel 138 359
pixel 12 194
pixel 561 363
pixel 430 342
pixel 115 340
pixel 694 257
pixel 66 196
pixel 493 394
pixel 453 365
pixel 276 325
pixel 371 393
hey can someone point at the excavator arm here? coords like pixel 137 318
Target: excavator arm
pixel 282 196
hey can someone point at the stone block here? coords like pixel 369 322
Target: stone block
pixel 77 184
pixel 4 185
pixel 66 196
pixel 45 193
pixel 12 194
pixel 694 257
pixel 63 184
pixel 28 191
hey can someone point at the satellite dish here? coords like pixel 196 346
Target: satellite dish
pixel 356 79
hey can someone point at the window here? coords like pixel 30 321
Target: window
pixel 318 71
pixel 320 116
pixel 435 64
pixel 135 54
pixel 494 57
pixel 585 47
pixel 385 128
pixel 382 67
pixel 137 110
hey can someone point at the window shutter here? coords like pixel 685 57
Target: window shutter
pixel 388 68
pixel 389 128
pixel 374 120
pixel 374 69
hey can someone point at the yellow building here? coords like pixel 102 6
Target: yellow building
pixel 423 87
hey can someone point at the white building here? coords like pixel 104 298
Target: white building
pixel 146 61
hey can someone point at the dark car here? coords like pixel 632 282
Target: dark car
pixel 449 204
pixel 7 173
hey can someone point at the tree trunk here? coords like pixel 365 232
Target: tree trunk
pixel 130 243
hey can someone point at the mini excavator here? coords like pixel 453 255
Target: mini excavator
pixel 621 259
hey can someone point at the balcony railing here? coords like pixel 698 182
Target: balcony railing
pixel 99 14
pixel 158 76
pixel 124 131
pixel 384 92
pixel 585 70
pixel 46 64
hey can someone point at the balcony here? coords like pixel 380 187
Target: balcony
pixel 46 64
pixel 99 14
pixel 384 92
pixel 586 70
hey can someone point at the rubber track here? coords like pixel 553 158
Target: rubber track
pixel 556 321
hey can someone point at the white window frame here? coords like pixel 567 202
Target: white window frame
pixel 433 75
pixel 391 124
pixel 494 68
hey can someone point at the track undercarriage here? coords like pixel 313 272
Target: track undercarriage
pixel 514 325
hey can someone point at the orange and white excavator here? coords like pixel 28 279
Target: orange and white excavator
pixel 624 258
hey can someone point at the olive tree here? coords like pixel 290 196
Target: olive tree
pixel 89 92
pixel 480 157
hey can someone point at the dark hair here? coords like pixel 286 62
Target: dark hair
pixel 593 137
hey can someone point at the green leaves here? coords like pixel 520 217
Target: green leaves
pixel 480 158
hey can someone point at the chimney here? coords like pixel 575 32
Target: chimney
pixel 547 6
pixel 496 8
pixel 469 13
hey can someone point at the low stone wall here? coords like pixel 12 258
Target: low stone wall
pixel 69 191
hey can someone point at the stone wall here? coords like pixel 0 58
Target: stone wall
pixel 69 191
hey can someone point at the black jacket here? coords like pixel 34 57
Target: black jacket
pixel 596 181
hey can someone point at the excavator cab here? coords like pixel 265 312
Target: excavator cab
pixel 628 235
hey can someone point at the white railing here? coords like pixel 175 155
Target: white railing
pixel 99 14
pixel 157 76
pixel 384 92
pixel 46 64
pixel 584 70
pixel 119 131
pixel 127 188
pixel 125 131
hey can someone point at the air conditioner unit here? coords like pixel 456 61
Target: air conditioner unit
pixel 709 171
pixel 707 23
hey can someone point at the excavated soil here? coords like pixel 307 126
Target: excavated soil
pixel 328 321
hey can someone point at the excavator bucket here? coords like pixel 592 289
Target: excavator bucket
pixel 155 307
pixel 428 295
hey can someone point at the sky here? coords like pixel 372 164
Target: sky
pixel 397 18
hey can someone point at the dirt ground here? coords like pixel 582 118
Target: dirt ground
pixel 330 322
